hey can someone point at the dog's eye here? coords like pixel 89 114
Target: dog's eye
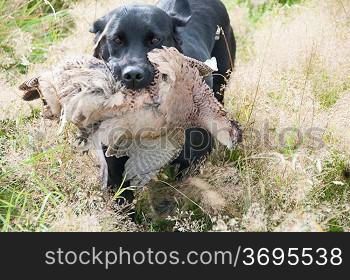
pixel 119 41
pixel 154 41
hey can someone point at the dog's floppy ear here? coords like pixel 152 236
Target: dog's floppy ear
pixel 179 10
pixel 100 40
pixel 99 25
pixel 100 48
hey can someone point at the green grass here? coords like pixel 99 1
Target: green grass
pixel 22 204
pixel 328 98
pixel 32 190
pixel 25 190
pixel 336 179
pixel 39 24
pixel 335 190
pixel 334 226
pixel 327 92
pixel 289 142
pixel 35 176
pixel 256 11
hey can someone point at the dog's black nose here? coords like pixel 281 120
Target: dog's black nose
pixel 133 77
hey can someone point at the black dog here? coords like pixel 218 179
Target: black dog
pixel 127 34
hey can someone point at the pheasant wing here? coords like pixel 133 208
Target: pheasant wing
pixel 148 158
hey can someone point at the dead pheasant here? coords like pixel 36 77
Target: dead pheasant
pixel 146 125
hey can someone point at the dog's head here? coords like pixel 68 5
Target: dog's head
pixel 127 34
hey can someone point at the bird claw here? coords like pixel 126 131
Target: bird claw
pixel 81 144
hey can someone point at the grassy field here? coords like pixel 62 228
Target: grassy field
pixel 290 91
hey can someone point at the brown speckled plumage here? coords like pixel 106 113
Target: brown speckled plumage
pixel 146 125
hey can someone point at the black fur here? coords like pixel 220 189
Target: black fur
pixel 127 34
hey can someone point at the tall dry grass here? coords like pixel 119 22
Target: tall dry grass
pixel 292 74
pixel 295 76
